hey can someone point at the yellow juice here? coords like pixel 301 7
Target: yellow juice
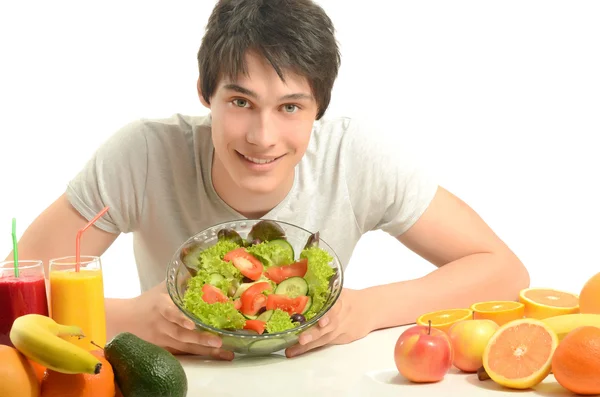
pixel 77 298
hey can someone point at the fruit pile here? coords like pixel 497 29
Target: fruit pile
pixel 516 344
pixel 42 364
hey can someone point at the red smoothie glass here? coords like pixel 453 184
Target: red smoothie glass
pixel 20 295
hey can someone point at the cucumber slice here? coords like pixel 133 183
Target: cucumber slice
pixel 307 307
pixel 243 287
pixel 265 316
pixel 249 316
pixel 286 254
pixel 292 287
pixel 215 278
pixel 267 346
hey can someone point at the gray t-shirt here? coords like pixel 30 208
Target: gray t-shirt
pixel 155 175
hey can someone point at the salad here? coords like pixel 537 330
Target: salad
pixel 257 284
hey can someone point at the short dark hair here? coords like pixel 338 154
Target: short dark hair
pixel 294 35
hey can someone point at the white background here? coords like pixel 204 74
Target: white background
pixel 500 100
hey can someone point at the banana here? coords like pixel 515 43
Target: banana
pixel 39 338
pixel 565 323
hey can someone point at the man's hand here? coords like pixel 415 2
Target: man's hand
pixel 154 317
pixel 346 322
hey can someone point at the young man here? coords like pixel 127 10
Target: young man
pixel 266 73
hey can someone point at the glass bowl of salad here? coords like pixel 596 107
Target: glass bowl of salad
pixel 257 284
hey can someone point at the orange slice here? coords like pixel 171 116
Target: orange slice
pixel 500 312
pixel 541 303
pixel 519 354
pixel 443 319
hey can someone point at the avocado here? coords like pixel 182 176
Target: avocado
pixel 143 369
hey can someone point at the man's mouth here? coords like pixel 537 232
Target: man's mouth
pixel 259 160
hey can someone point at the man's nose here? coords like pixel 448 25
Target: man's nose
pixel 262 132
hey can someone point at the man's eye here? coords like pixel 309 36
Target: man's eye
pixel 242 103
pixel 290 108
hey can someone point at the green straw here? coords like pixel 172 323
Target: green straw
pixel 15 252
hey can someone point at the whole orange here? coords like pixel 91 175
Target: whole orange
pixel 17 377
pixel 576 361
pixel 39 370
pixel 57 384
pixel 589 298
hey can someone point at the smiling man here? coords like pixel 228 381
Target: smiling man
pixel 264 150
pixel 261 127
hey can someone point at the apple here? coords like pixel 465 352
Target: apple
pixel 423 354
pixel 469 339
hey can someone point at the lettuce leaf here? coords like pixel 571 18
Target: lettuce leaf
pixel 317 276
pixel 210 261
pixel 218 315
pixel 202 258
pixel 270 254
pixel 280 321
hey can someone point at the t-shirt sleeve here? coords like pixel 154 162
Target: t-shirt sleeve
pixel 389 190
pixel 115 176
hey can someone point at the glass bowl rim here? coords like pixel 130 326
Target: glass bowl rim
pixel 236 334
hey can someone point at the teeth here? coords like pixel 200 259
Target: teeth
pixel 258 161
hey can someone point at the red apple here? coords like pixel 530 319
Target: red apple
pixel 423 354
pixel 469 339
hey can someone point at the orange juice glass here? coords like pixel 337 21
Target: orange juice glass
pixel 77 298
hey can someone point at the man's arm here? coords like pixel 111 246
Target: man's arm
pixel 52 235
pixel 473 265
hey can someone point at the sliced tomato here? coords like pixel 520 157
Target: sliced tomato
pixel 211 294
pixel 255 325
pixel 245 262
pixel 280 273
pixel 237 304
pixel 253 298
pixel 287 304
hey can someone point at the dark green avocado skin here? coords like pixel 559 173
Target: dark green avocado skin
pixel 143 369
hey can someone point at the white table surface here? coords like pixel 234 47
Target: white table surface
pixel 362 368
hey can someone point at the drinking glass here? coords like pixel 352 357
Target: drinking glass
pixel 25 294
pixel 77 298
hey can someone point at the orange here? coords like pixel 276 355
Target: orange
pixel 39 370
pixel 17 377
pixel 589 298
pixel 57 384
pixel 444 319
pixel 576 361
pixel 541 303
pixel 519 354
pixel 500 312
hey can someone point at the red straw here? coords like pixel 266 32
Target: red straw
pixel 78 239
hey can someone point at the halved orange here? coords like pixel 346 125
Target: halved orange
pixel 443 319
pixel 519 354
pixel 541 303
pixel 500 312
